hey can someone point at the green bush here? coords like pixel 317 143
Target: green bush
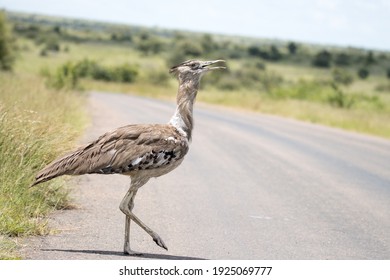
pixel 67 75
pixel 86 67
pixel 341 76
pixel 102 73
pixel 322 59
pixel 342 59
pixel 125 73
pixel 363 73
pixel 150 45
pixel 340 98
pixel 292 48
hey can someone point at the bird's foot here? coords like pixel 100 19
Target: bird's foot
pixel 128 251
pixel 159 241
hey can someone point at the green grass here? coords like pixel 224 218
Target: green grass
pixel 8 248
pixel 36 125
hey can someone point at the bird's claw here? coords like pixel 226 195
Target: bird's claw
pixel 131 252
pixel 160 242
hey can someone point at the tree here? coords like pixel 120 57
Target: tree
pixel 342 59
pixel 292 48
pixel 342 77
pixel 190 48
pixel 274 53
pixel 150 45
pixel 370 58
pixel 322 59
pixel 254 51
pixel 6 44
pixel 208 44
pixel 363 73
pixel 57 29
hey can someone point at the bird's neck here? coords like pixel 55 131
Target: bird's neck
pixel 182 119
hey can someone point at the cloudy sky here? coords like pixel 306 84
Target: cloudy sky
pixel 358 23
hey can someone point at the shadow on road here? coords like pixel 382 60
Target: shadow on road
pixel 116 253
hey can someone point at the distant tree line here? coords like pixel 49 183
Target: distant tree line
pixel 177 46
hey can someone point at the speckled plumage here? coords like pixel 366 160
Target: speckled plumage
pixel 125 150
pixel 141 151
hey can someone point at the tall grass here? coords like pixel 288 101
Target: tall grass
pixel 36 125
pixel 368 116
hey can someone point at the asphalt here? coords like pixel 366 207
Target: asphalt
pixel 253 186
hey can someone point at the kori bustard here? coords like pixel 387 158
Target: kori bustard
pixel 141 151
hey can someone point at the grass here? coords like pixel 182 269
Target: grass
pixel 366 119
pixel 36 125
pixel 8 248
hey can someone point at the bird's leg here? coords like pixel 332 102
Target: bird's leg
pixel 126 207
pixel 126 247
pixel 129 201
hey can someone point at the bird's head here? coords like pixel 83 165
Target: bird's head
pixel 194 69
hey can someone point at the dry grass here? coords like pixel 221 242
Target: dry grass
pixel 36 125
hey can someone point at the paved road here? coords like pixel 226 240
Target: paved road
pixel 251 187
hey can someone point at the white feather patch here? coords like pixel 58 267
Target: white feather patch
pixel 136 161
pixel 178 123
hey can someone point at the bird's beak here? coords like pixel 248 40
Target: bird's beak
pixel 212 62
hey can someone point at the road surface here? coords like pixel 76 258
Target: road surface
pixel 252 187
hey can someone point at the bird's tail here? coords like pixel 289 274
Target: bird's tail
pixel 59 167
pixel 49 172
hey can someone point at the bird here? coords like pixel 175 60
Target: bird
pixel 140 151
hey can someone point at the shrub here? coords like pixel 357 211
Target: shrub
pixel 339 98
pixel 68 75
pixel 102 73
pixel 274 53
pixel 292 48
pixel 363 73
pixel 341 76
pixel 370 58
pixel 150 45
pixel 125 73
pixel 65 76
pixel 85 68
pixel 52 45
pixel 342 59
pixel 322 59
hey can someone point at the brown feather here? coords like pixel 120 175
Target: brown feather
pixel 114 151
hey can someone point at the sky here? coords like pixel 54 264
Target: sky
pixel 356 23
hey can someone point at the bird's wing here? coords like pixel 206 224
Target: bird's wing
pixel 125 149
